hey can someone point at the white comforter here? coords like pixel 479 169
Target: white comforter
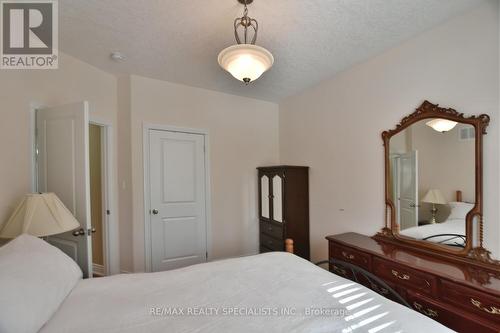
pixel 244 295
pixel 454 226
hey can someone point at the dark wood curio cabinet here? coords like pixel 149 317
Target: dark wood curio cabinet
pixel 284 208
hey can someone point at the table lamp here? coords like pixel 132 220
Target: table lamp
pixel 435 197
pixel 39 214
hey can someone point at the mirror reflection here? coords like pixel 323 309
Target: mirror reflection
pixel 432 180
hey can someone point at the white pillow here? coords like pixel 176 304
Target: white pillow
pixel 35 278
pixel 459 210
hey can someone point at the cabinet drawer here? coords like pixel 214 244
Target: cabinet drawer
pixel 402 275
pixel 452 318
pixel 272 243
pixel 271 229
pixel 473 301
pixel 350 255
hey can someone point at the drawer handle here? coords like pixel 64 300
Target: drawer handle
pixel 339 270
pixel 490 310
pixel 400 276
pixel 428 312
pixel 348 256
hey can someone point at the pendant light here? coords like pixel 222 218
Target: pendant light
pixel 442 125
pixel 245 60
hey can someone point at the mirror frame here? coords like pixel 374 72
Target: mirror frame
pixel 390 232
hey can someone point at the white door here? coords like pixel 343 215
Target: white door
pixel 178 211
pixel 408 189
pixel 63 168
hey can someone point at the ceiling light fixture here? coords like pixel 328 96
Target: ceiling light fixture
pixel 442 125
pixel 245 60
pixel 117 56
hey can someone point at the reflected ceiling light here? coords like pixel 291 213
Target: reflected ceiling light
pixel 245 60
pixel 441 125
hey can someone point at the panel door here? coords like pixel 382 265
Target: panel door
pixel 63 168
pixel 408 190
pixel 178 203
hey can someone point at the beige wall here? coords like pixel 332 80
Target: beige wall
pixel 243 135
pixel 125 175
pixel 20 90
pixel 445 163
pixel 335 127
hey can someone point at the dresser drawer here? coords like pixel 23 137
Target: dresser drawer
pixel 271 229
pixel 271 243
pixel 347 273
pixel 473 301
pixel 455 319
pixel 341 271
pixel 402 275
pixel 350 255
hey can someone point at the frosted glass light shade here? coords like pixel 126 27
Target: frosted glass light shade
pixel 39 215
pixel 435 196
pixel 246 62
pixel 442 125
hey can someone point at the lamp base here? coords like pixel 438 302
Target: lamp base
pixel 433 212
pixel 247 2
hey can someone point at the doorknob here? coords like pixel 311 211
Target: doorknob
pixel 79 232
pixel 155 211
pixel 414 205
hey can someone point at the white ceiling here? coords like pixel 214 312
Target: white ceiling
pixel 179 40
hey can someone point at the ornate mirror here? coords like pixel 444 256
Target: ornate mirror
pixel 433 173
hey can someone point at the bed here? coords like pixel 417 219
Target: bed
pixel 449 232
pixel 272 292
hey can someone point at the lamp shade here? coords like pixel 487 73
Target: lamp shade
pixel 39 215
pixel 441 125
pixel 434 197
pixel 246 62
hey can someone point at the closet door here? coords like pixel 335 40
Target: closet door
pixel 277 188
pixel 265 196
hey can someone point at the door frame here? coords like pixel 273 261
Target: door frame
pixel 112 246
pixel 146 128
pixel 110 235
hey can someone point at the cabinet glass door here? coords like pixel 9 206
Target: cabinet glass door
pixel 277 198
pixel 264 196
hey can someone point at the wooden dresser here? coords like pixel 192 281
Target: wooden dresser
pixel 462 296
pixel 284 208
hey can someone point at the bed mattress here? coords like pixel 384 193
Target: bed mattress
pixel 272 292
